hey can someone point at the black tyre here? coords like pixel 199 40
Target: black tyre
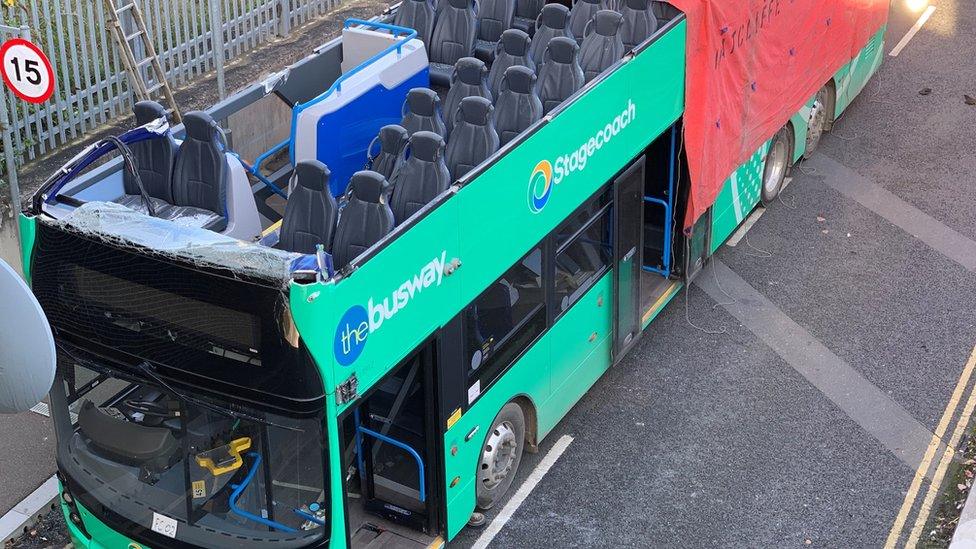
pixel 501 455
pixel 777 165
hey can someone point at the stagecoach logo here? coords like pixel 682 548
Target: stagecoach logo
pixel 359 322
pixel 546 174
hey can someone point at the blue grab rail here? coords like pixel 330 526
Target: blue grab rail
pixel 668 213
pixel 239 489
pixel 360 430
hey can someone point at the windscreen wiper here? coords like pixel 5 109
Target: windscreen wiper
pixel 146 368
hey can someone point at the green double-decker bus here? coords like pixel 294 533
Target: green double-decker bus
pixel 218 388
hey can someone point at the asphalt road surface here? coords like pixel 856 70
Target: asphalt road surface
pixel 792 402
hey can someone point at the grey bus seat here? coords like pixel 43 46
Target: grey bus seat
pixel 474 138
pixel 417 15
pixel 391 139
pixel 364 220
pixel 639 22
pixel 580 16
pixel 421 177
pixel 602 45
pixel 469 79
pixel 311 212
pixel 512 49
pixel 454 37
pixel 663 11
pixel 560 75
pixel 494 18
pixel 518 105
pixel 526 13
pixel 201 175
pixel 154 159
pixel 552 22
pixel 422 111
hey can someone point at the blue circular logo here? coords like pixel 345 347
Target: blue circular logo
pixel 351 335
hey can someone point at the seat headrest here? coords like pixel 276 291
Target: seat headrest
pixel 639 5
pixel 200 126
pixel 426 146
pixel 470 70
pixel 422 101
pixel 590 1
pixel 475 110
pixel 369 186
pixel 392 137
pixel 148 111
pixel 607 22
pixel 460 4
pixel 312 175
pixel 515 42
pixel 555 16
pixel 562 49
pixel 519 79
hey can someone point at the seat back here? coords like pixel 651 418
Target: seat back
pixel 512 49
pixel 529 9
pixel 422 111
pixel 311 211
pixel 421 177
pixel 494 18
pixel 154 157
pixel 474 138
pixel 417 15
pixel 583 11
pixel 602 46
pixel 639 22
pixel 552 22
pixel 455 32
pixel 200 174
pixel 518 105
pixel 365 219
pixel 391 140
pixel 469 80
pixel 560 74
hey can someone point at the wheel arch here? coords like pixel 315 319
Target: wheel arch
pixel 831 106
pixel 530 412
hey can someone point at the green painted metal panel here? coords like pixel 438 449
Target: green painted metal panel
pixel 565 359
pixel 856 74
pixel 102 536
pixel 28 232
pixel 740 194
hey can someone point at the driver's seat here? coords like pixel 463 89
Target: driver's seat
pixel 154 159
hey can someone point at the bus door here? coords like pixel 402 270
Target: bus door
pixel 394 454
pixel 628 231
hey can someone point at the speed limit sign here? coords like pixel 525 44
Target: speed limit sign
pixel 26 70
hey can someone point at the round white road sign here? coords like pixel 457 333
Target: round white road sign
pixel 26 70
pixel 27 355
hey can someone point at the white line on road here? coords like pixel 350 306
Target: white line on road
pixel 741 233
pixel 523 492
pixel 12 524
pixel 912 31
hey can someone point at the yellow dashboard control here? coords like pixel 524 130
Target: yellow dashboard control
pixel 224 459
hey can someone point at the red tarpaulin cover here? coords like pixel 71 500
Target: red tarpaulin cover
pixel 752 64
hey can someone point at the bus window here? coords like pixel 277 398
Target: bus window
pixel 580 262
pixel 505 319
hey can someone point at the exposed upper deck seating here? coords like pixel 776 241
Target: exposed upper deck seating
pixel 417 15
pixel 512 49
pixel 639 22
pixel 155 159
pixel 580 16
pixel 422 111
pixel 602 45
pixel 526 13
pixel 311 212
pixel 421 177
pixel 391 140
pixel 469 80
pixel 560 75
pixel 553 22
pixel 518 105
pixel 474 137
pixel 366 218
pixel 201 175
pixel 494 18
pixel 455 32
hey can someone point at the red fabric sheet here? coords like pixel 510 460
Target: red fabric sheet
pixel 752 64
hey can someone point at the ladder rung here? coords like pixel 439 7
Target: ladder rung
pixel 154 88
pixel 123 9
pixel 136 34
pixel 145 62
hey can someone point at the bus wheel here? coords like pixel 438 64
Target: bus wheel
pixel 818 121
pixel 501 455
pixel 777 165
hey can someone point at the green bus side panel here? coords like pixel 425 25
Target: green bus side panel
pixel 28 231
pixel 102 536
pixel 554 374
pixel 740 194
pixel 855 75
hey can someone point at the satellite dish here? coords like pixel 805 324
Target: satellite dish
pixel 27 356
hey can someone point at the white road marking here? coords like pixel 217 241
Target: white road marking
pixel 523 492
pixel 12 524
pixel 912 31
pixel 741 232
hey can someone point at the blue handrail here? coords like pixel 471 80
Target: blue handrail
pixel 256 168
pixel 239 488
pixel 668 212
pixel 360 430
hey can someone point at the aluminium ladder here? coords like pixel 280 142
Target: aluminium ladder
pixel 142 88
